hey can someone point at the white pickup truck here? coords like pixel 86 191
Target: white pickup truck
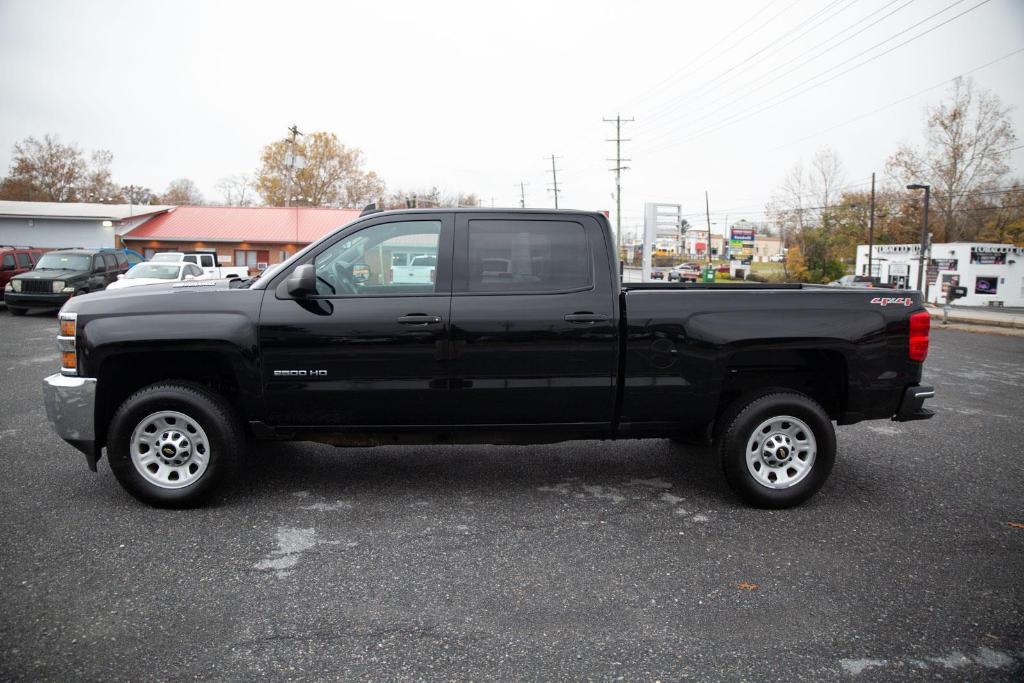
pixel 206 261
pixel 420 271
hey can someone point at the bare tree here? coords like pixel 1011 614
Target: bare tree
pixel 825 178
pixel 965 137
pixel 44 170
pixel 237 190
pixel 182 191
pixel 430 198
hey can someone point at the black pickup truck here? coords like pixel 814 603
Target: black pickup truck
pixel 520 333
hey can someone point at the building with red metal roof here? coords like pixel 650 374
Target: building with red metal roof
pixel 254 236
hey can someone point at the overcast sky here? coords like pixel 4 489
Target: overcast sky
pixel 472 96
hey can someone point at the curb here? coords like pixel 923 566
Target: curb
pixel 1013 324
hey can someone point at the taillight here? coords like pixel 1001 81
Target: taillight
pixel 920 324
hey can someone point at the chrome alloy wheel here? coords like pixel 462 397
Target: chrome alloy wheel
pixel 780 452
pixel 169 449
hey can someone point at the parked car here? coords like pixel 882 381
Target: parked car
pixel 172 381
pixel 205 260
pixel 60 275
pixel 860 281
pixel 777 258
pixel 420 270
pixel 149 273
pixel 684 272
pixel 15 261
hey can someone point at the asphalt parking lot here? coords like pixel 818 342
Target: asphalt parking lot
pixel 597 561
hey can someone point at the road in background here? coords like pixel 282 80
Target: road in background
pixel 572 561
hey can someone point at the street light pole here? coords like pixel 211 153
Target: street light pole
pixel 924 233
pixel 871 228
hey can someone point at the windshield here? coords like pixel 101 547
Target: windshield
pixel 170 257
pixel 64 262
pixel 157 271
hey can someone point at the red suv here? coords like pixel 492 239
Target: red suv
pixel 16 260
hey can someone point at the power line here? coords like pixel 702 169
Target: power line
pixel 554 179
pixel 618 169
pixel 667 108
pixel 763 84
pixel 901 101
pixel 657 86
pixel 740 117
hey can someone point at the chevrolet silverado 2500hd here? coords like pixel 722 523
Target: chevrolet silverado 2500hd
pixel 174 380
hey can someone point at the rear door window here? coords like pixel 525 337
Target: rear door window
pixel 528 256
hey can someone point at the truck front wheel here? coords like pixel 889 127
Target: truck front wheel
pixel 173 444
pixel 777 449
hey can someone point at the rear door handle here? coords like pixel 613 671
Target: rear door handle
pixel 585 318
pixel 419 319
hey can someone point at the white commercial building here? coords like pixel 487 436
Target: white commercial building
pixel 993 274
pixel 56 225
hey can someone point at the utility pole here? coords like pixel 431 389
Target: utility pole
pixel 618 169
pixel 707 212
pixel 871 226
pixel 554 179
pixel 290 159
pixel 522 195
pixel 921 262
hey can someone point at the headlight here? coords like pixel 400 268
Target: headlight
pixel 8 287
pixel 15 285
pixel 57 286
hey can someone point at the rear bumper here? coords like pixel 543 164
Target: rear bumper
pixel 912 405
pixel 71 408
pixel 22 300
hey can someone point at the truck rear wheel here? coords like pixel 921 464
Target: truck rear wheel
pixel 173 444
pixel 777 449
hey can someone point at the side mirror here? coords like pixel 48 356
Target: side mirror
pixel 121 276
pixel 302 282
pixel 190 277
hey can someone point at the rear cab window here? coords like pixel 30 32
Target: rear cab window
pixel 527 256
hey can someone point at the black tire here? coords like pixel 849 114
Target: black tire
pixel 737 437
pixel 17 311
pixel 213 416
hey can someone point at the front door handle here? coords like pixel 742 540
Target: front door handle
pixel 419 319
pixel 585 317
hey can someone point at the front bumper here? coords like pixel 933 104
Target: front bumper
pixel 71 409
pixel 912 405
pixel 22 300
